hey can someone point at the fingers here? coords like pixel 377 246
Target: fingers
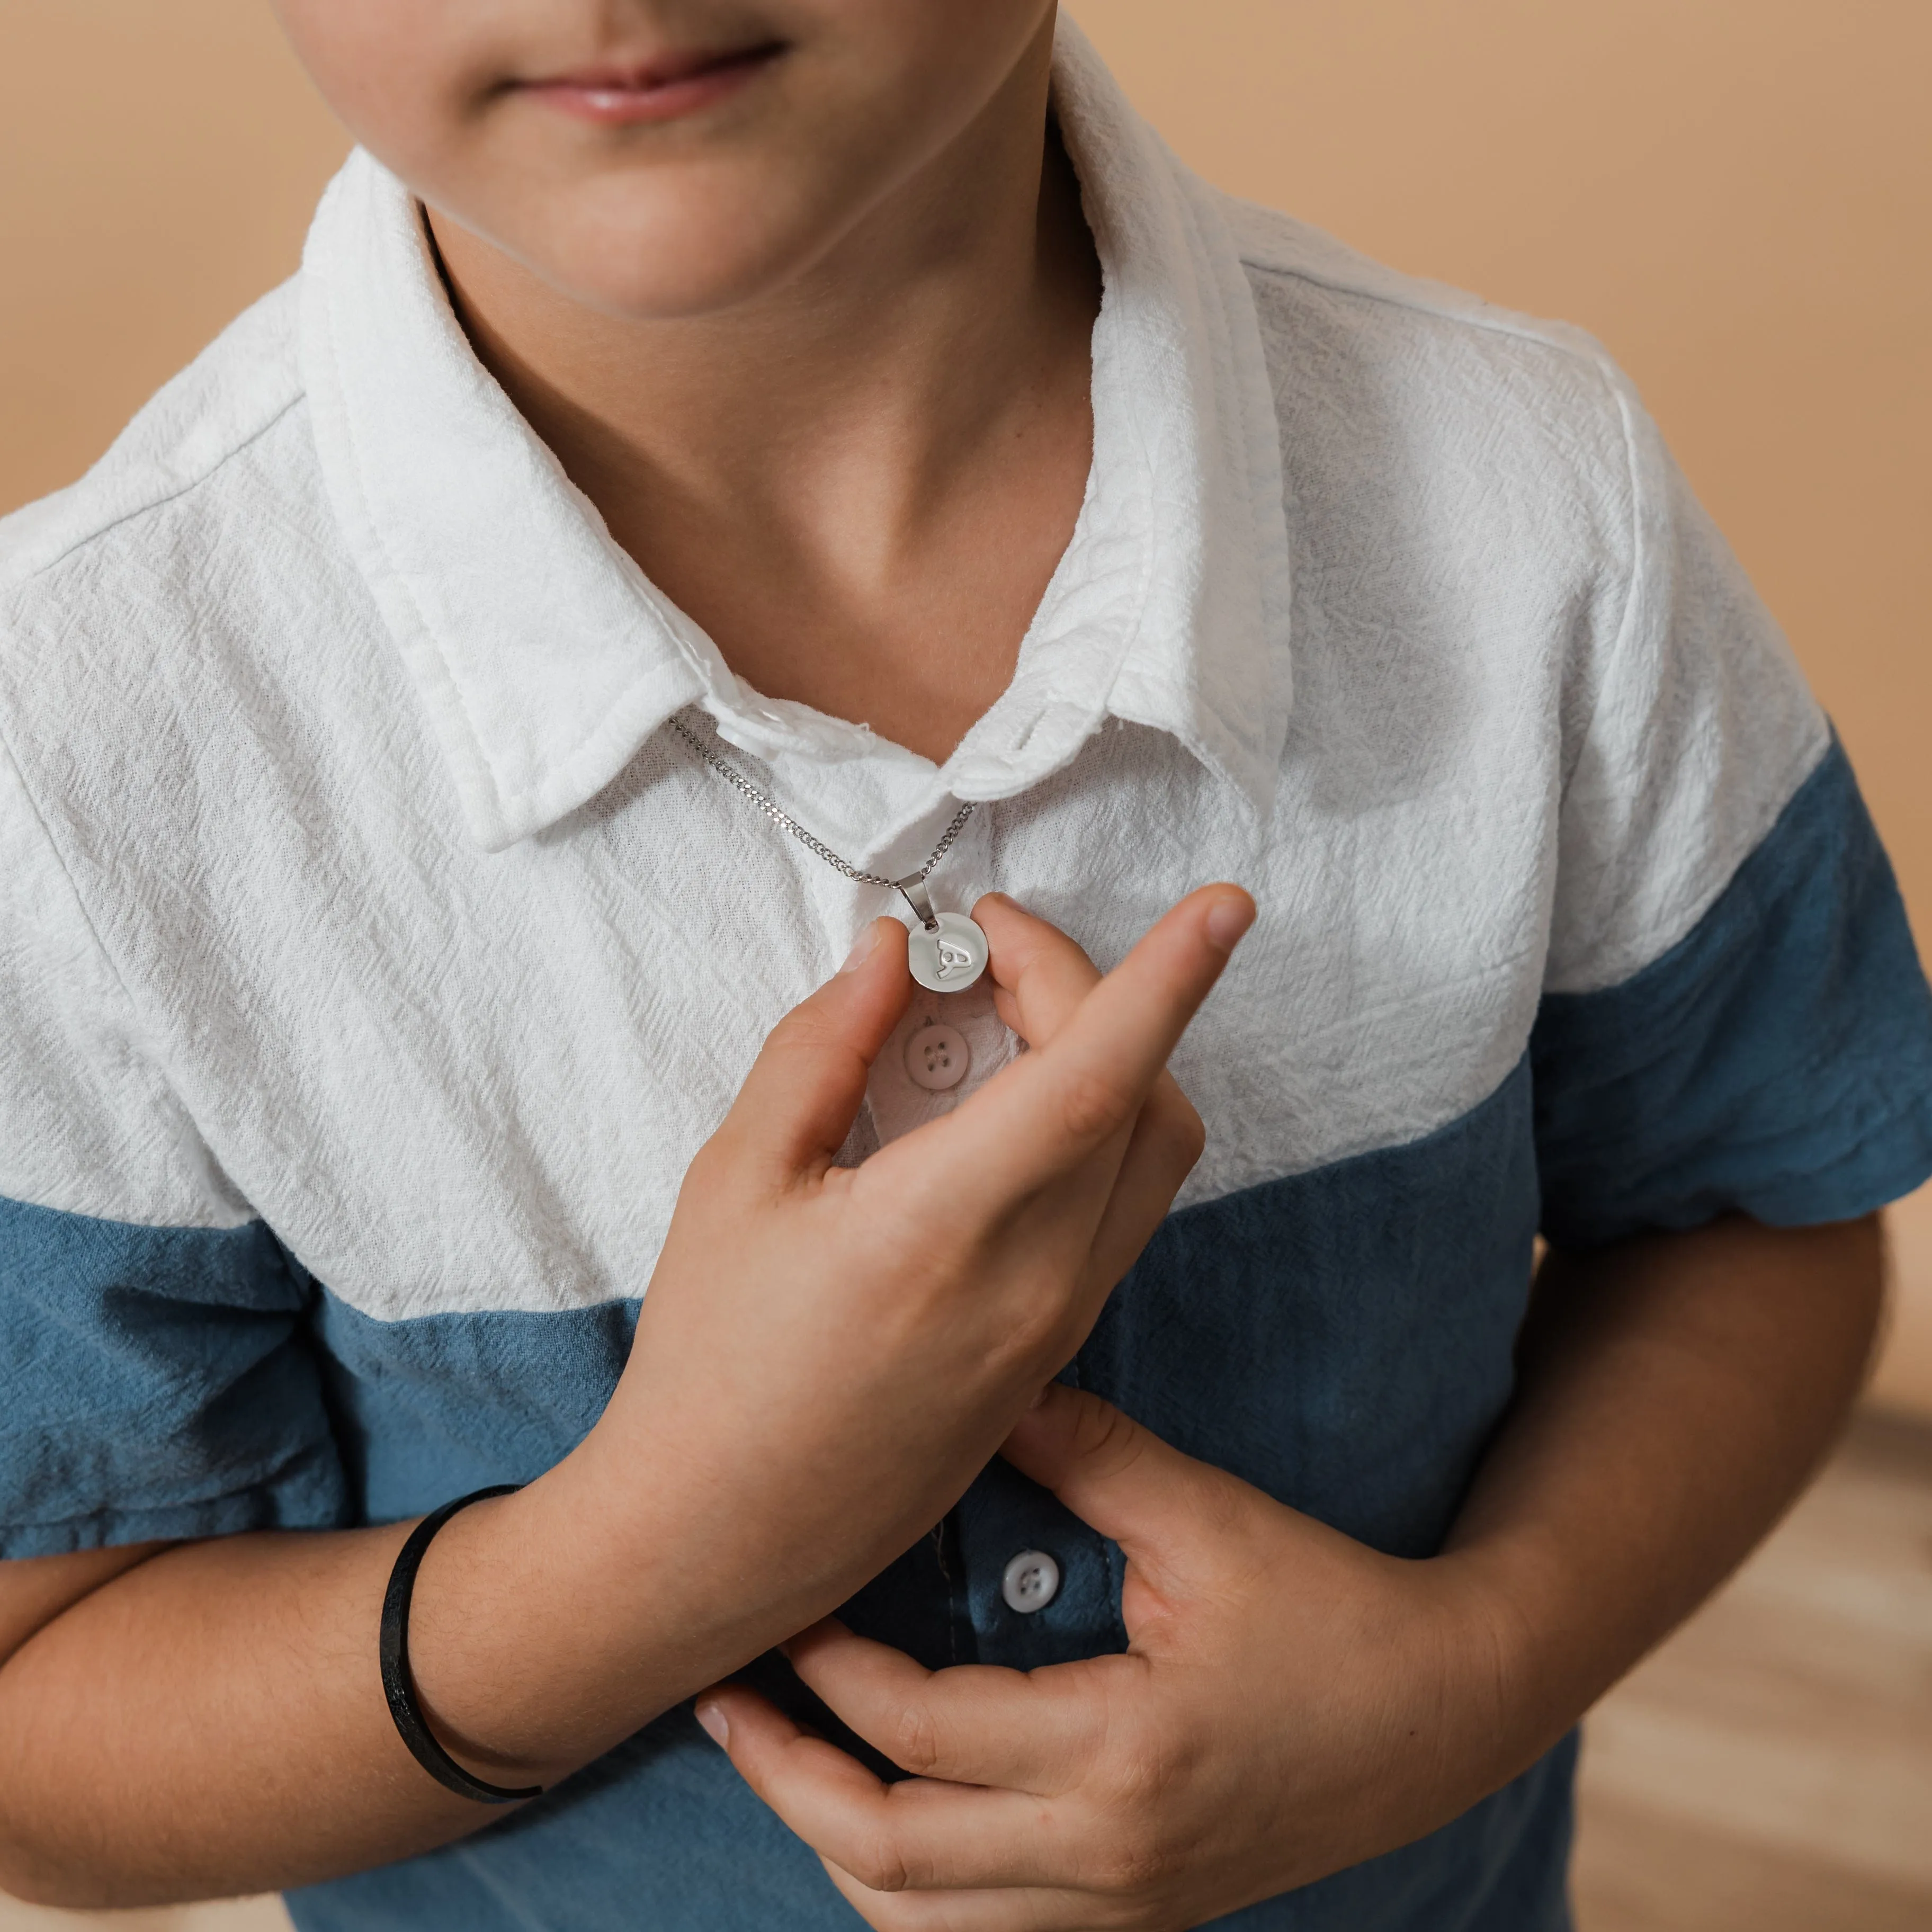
pixel 798 1101
pixel 973 1724
pixel 1046 1114
pixel 802 1093
pixel 1117 1477
pixel 1039 975
pixel 890 1837
pixel 1042 976
pixel 1167 1140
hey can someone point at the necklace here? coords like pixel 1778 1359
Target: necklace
pixel 946 950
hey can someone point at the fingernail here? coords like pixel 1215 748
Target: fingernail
pixel 1228 918
pixel 716 1727
pixel 1045 1390
pixel 863 950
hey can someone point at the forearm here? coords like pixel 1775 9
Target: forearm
pixel 1675 1392
pixel 211 1722
pixel 212 1719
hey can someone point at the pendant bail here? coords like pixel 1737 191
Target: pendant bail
pixel 913 890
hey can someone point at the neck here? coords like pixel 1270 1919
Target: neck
pixel 939 324
pixel 835 460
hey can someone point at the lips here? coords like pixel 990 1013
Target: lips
pixel 664 87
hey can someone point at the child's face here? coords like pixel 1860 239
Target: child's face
pixel 668 158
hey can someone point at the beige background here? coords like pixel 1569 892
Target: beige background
pixel 1734 195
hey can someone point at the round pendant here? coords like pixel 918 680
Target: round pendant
pixel 949 959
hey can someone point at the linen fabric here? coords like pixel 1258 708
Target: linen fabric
pixel 374 959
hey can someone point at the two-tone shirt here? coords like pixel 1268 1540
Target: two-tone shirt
pixel 374 957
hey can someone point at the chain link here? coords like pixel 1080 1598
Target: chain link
pixel 778 816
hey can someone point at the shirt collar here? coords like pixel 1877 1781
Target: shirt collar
pixel 545 658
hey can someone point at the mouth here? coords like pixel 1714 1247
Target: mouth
pixel 667 87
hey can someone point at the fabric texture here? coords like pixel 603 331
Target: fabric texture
pixel 373 961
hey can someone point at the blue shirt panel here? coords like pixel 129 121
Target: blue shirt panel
pixel 1777 1061
pixel 154 1382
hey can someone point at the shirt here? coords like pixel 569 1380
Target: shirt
pixel 375 957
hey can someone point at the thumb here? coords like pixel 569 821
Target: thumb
pixel 802 1093
pixel 1116 1476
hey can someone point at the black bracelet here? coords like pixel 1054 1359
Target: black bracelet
pixel 399 1687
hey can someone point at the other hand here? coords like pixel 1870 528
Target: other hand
pixel 1291 1701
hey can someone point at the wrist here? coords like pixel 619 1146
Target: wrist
pixel 1518 1687
pixel 537 1640
pixel 549 1624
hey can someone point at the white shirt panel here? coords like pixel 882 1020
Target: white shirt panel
pixel 452 955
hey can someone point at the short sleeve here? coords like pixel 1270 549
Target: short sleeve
pixel 1734 1017
pixel 156 1378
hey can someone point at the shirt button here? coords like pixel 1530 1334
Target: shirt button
pixel 937 1057
pixel 1032 1581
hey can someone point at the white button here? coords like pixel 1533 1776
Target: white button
pixel 1031 1583
pixel 937 1057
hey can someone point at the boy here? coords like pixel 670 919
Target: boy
pixel 697 424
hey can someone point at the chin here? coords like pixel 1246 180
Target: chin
pixel 641 279
pixel 645 255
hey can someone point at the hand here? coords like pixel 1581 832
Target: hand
pixel 1291 1702
pixel 827 1356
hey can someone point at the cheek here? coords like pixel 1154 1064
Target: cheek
pixel 404 76
pixel 935 63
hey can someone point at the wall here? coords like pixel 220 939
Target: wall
pixel 1734 195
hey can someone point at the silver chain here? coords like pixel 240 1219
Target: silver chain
pixel 779 816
